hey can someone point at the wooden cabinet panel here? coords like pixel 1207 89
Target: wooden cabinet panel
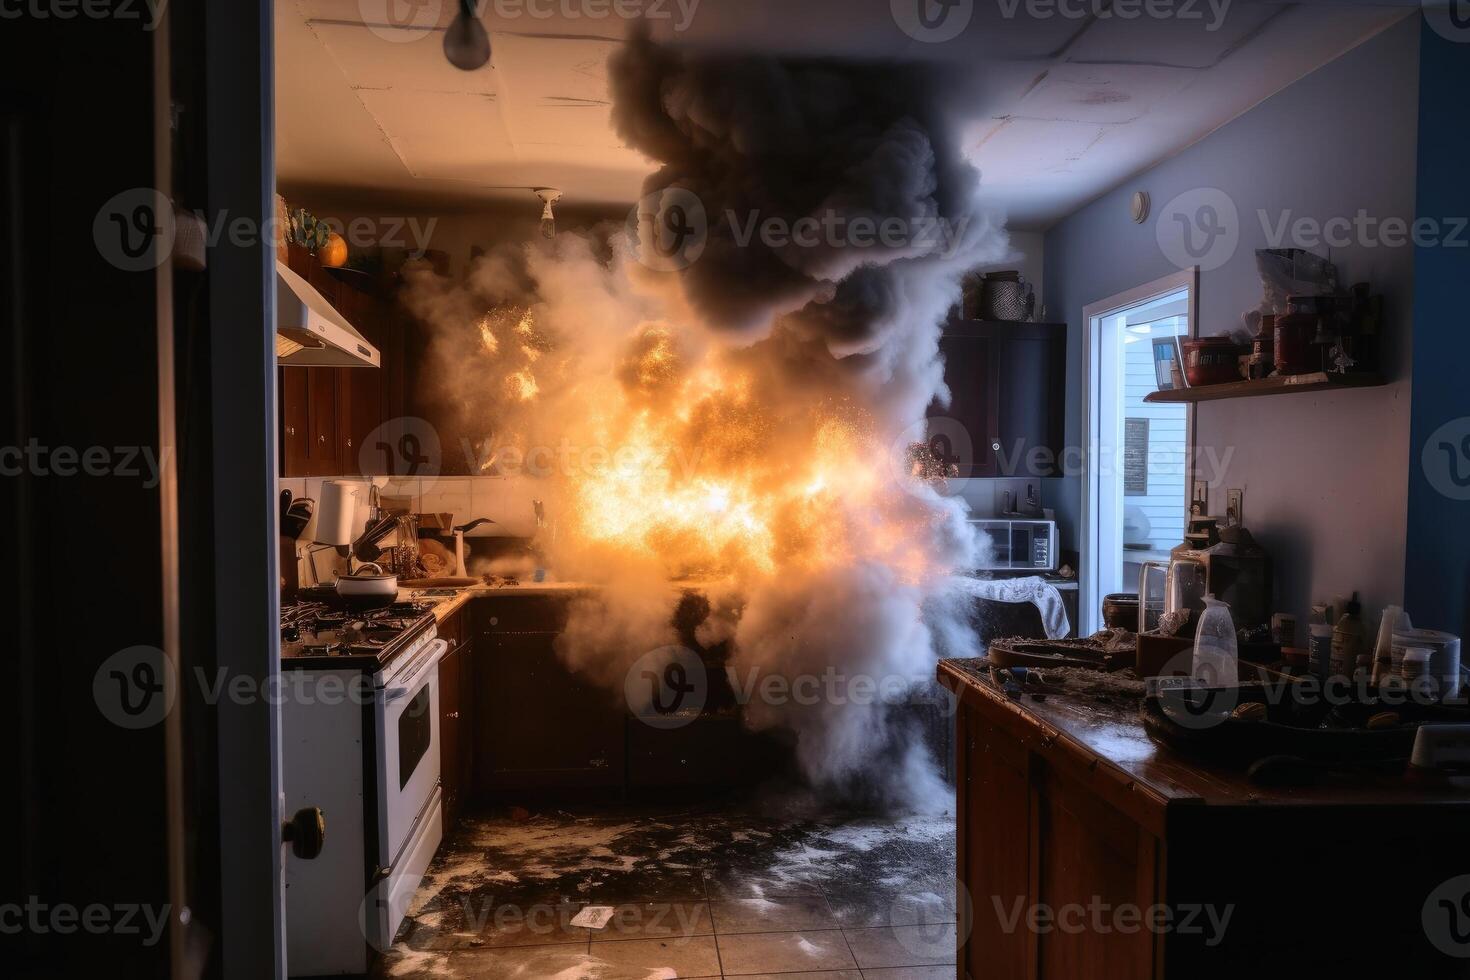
pixel 334 410
pixel 542 726
pixel 322 436
pixel 996 852
pixel 966 432
pixel 1093 864
pixel 457 714
pixel 1007 385
pixel 293 422
pixel 452 743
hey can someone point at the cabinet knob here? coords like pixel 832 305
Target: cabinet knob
pixel 995 446
pixel 349 443
pixel 321 438
pixel 291 430
pixel 452 714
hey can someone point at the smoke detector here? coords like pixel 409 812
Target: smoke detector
pixel 549 196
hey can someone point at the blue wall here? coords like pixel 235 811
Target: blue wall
pixel 1437 576
pixel 1324 474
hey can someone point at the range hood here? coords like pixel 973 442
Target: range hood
pixel 311 333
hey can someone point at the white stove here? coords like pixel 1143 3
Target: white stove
pixel 361 741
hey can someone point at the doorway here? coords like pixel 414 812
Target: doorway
pixel 1137 473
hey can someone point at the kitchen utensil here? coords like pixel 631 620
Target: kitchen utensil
pixel 365 546
pixel 297 517
pixel 368 580
pixel 459 533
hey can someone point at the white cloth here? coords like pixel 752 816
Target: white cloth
pixel 1035 590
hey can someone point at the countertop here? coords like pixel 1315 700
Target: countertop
pixel 1108 740
pixel 449 605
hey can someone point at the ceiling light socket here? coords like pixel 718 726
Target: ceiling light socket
pixel 549 196
pixel 1139 206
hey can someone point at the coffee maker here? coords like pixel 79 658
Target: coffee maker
pixel 1224 562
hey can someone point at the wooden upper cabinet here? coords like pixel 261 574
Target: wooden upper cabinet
pixel 1007 411
pixel 327 414
pixel 293 422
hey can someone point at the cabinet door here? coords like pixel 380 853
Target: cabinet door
pixel 295 457
pixel 451 734
pixel 965 433
pixel 1089 856
pixel 995 850
pixel 1032 359
pixel 322 438
pixel 540 725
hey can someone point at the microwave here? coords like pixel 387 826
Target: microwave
pixel 1019 546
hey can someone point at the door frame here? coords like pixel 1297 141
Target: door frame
pixel 240 159
pixel 1091 599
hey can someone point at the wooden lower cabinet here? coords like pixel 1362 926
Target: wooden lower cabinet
pixel 543 727
pixel 456 718
pixel 1075 831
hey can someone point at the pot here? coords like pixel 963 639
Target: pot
pixel 1120 611
pixel 365 583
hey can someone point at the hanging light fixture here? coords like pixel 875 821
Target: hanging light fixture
pixel 549 196
pixel 466 44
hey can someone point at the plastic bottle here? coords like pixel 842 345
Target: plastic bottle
pixel 1347 638
pixel 1215 656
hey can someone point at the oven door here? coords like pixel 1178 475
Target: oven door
pixel 408 756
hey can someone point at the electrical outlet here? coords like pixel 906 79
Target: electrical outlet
pixel 1234 508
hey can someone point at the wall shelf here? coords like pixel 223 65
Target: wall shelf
pixel 1318 381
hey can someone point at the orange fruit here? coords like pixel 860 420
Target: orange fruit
pixel 334 253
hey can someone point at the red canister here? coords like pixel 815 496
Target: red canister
pixel 1296 330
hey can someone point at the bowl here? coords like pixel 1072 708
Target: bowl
pixel 1212 360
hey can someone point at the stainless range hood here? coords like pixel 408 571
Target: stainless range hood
pixel 311 333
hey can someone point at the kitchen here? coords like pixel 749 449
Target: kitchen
pixel 737 491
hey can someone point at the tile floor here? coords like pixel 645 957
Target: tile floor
pixel 777 889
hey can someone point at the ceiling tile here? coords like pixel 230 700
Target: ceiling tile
pixel 452 136
pixel 555 90
pixel 1198 38
pixel 372 59
pixel 1101 93
pixel 1022 149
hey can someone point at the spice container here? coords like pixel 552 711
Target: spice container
pixel 1283 629
pixel 1320 651
pixel 1296 335
pixel 1263 349
pixel 1347 639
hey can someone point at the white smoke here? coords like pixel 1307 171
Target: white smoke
pixel 838 592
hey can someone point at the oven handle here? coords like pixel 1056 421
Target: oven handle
pixel 434 653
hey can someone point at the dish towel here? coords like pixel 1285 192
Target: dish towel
pixel 1035 590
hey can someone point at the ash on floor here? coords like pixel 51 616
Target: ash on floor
pixel 783 887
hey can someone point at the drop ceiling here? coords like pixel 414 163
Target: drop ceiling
pixel 1053 111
